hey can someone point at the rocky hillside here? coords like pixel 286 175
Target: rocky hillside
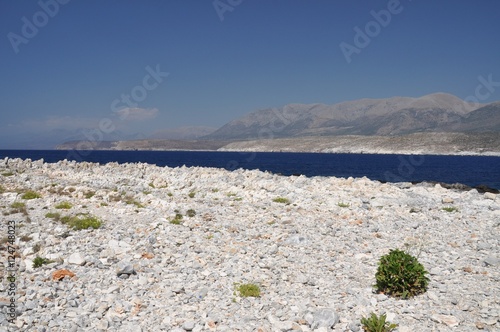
pixel 171 246
pixel 418 143
pixel 393 116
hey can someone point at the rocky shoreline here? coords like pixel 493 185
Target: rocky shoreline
pixel 174 242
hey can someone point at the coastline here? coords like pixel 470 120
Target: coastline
pixel 319 249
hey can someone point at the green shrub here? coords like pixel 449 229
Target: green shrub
pixel 2 189
pixel 190 213
pixel 39 261
pixel 377 324
pixel 31 195
pixel 81 221
pixel 281 200
pixel 177 219
pixel 89 194
pixel 342 205
pixel 400 274
pixel 64 205
pixel 191 194
pixel 450 209
pixel 53 215
pixel 7 173
pixel 17 207
pixel 130 200
pixel 248 290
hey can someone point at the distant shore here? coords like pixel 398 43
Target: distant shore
pixel 480 144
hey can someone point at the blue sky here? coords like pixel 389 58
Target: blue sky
pixel 212 61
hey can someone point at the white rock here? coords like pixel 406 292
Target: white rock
pixel 76 259
pixel 490 196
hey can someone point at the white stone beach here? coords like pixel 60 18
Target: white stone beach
pixel 312 245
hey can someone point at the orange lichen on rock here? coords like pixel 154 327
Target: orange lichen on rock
pixel 60 274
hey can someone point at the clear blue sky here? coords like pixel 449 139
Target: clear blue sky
pixel 225 62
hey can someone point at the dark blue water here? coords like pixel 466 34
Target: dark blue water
pixel 469 170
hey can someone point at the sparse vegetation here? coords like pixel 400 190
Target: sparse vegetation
pixel 190 213
pixel 343 205
pixel 39 261
pixel 25 238
pixel 192 194
pixel 81 221
pixel 377 324
pixel 2 189
pixel 131 200
pixel 37 247
pixel 53 215
pixel 400 274
pixel 18 207
pixel 248 290
pixel 281 200
pixel 89 194
pixel 31 195
pixel 450 209
pixel 104 204
pixel 64 205
pixel 9 173
pixel 177 220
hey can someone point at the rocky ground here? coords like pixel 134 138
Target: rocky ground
pixel 312 245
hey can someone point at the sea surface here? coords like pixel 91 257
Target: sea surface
pixel 468 170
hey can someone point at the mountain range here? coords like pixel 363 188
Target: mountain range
pixel 437 112
pixel 439 121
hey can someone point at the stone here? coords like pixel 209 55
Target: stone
pixel 491 196
pixel 124 268
pixel 325 317
pixel 61 274
pixel 447 200
pixel 76 259
pixel 188 325
pixel 492 261
pixel 449 320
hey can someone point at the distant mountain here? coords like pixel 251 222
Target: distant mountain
pixel 439 112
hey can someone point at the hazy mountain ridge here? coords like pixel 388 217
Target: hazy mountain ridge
pixel 436 124
pixel 392 116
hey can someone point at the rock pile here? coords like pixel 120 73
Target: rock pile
pixel 175 242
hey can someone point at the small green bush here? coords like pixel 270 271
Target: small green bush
pixel 31 195
pixel 17 207
pixel 450 209
pixel 130 200
pixel 39 261
pixel 81 221
pixel 64 205
pixel 400 274
pixel 53 215
pixel 2 189
pixel 342 204
pixel 89 194
pixel 281 200
pixel 7 173
pixel 177 219
pixel 248 290
pixel 190 213
pixel 377 324
pixel 191 194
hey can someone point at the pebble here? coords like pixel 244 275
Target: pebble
pixel 313 260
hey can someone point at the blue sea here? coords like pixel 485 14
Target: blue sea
pixel 468 170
